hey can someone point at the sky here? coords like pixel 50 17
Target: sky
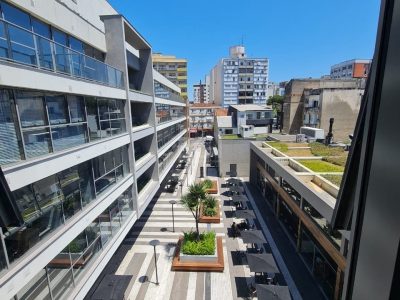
pixel 302 38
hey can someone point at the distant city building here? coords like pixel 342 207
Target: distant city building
pixel 174 69
pixel 239 79
pixel 312 102
pixel 275 89
pixel 355 68
pixel 201 91
pixel 201 118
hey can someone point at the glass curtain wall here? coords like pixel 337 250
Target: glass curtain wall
pixel 167 134
pixel 165 112
pixel 67 269
pixel 34 123
pixel 26 40
pixel 47 204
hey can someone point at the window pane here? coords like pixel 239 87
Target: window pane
pixel 69 182
pixel 76 108
pixel 10 150
pixel 22 45
pixel 60 37
pixel 3 41
pixel 86 182
pixel 75 44
pixel 105 226
pixel 103 183
pixel 92 119
pixel 41 28
pixel 15 15
pixel 48 192
pixel 62 59
pixel 103 109
pixel 26 202
pixel 37 142
pixel 45 53
pixel 58 109
pixel 69 136
pixel 31 109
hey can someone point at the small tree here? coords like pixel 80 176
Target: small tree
pixel 192 201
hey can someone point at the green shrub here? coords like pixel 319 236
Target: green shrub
pixel 205 246
pixel 207 184
pixel 319 149
pixel 321 166
pixel 210 202
pixel 209 211
pixel 336 160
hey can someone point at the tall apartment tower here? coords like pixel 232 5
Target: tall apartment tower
pixel 239 79
pixel 88 130
pixel 201 91
pixel 174 69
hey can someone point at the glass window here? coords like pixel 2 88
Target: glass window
pixel 86 182
pixel 16 16
pixel 68 137
pixel 45 53
pixel 69 182
pixel 22 45
pixel 76 108
pixel 75 44
pixel 31 109
pixel 3 41
pixel 26 202
pixel 10 141
pixel 41 28
pixel 93 118
pixel 62 57
pixel 105 226
pixel 37 142
pixel 58 109
pixel 48 192
pixel 60 37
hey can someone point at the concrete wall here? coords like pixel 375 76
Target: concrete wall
pixel 234 152
pixel 344 106
pixel 293 105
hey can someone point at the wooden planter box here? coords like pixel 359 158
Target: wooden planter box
pixel 200 265
pixel 214 188
pixel 205 219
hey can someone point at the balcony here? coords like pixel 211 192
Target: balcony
pixel 21 46
pixel 161 91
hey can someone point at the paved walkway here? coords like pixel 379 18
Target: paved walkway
pixel 135 258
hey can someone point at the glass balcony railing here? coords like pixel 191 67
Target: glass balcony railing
pixel 20 45
pixel 164 92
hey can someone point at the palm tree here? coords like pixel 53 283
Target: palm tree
pixel 192 201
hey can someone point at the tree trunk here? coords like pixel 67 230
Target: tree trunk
pixel 197 225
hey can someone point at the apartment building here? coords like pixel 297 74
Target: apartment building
pixel 303 200
pixel 276 89
pixel 88 130
pixel 355 68
pixel 201 91
pixel 174 69
pixel 342 102
pixel 239 79
pixel 201 119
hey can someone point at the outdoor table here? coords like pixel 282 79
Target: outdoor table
pixel 262 263
pixel 253 237
pixel 245 214
pixel 268 291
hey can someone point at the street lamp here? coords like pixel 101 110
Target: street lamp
pixel 155 243
pixel 172 202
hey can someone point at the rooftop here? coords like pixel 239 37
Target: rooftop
pixel 224 121
pixel 251 107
